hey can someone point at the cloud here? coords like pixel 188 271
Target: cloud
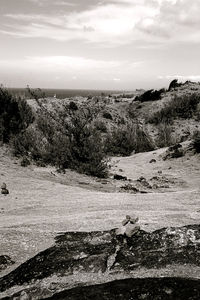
pixel 110 23
pixel 113 22
pixel 177 20
pixel 181 77
pixel 69 69
pixel 54 2
pixel 62 65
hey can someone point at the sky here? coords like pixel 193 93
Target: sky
pixel 99 44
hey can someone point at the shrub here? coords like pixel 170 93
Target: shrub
pixel 179 107
pixel 25 162
pixel 86 145
pixel 165 137
pixel 71 142
pixel 173 84
pixel 15 115
pixel 73 106
pixel 107 115
pixel 150 95
pixel 100 126
pixel 196 142
pixel 126 139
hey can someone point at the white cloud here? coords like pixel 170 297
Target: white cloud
pixel 114 22
pixel 61 63
pixel 181 77
pixel 54 2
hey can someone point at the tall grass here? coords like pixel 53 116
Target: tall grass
pixel 165 137
pixel 128 138
pixel 180 107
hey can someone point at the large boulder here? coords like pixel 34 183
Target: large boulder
pixel 89 253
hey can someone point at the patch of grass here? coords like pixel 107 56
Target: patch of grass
pixel 165 137
pixel 180 107
pixel 128 138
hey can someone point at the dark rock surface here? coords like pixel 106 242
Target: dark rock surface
pixel 136 289
pixel 100 252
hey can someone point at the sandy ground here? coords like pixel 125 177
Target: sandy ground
pixel 40 204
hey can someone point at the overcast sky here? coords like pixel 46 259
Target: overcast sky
pixel 108 44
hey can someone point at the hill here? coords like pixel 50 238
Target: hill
pixel 45 202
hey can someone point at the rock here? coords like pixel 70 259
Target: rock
pixel 4 191
pixel 3 186
pixel 175 151
pixel 101 252
pixel 152 161
pixel 137 289
pixel 144 183
pixel 129 188
pixel 119 177
pixel 131 229
pixel 175 147
pixel 141 178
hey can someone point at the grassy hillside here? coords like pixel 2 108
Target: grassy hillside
pixel 81 133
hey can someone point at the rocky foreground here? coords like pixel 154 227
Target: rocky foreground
pixel 91 258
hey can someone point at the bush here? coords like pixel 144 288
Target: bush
pixel 15 115
pixel 73 106
pixel 100 126
pixel 107 115
pixel 150 95
pixel 179 107
pixel 196 142
pixel 173 84
pixel 126 139
pixel 165 137
pixel 86 145
pixel 25 162
pixel 71 142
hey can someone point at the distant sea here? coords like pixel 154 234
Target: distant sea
pixel 62 93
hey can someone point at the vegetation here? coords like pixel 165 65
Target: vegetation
pixel 15 115
pixel 196 142
pixel 164 138
pixel 179 107
pixel 150 95
pixel 107 115
pixel 173 84
pixel 128 138
pixel 73 106
pixel 68 140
